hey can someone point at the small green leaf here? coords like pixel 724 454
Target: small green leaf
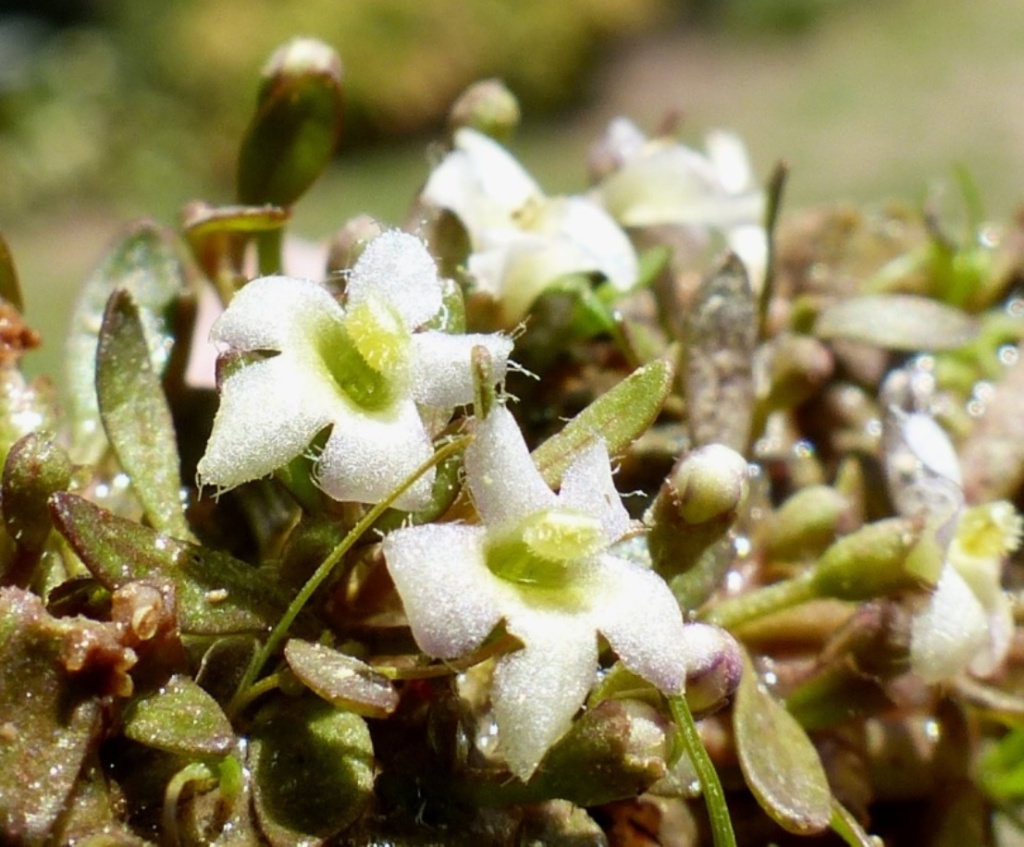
pixel 897 322
pixel 617 417
pixel 780 764
pixel 146 264
pixel 312 770
pixel 721 334
pixel 341 680
pixel 10 286
pixel 136 416
pixel 180 718
pixel 36 467
pixel 292 136
pixel 217 594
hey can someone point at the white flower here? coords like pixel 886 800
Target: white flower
pixel 967 623
pixel 361 369
pixel 522 241
pixel 662 182
pixel 540 563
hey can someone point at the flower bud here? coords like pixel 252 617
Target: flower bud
pixel 710 483
pixel 348 243
pixel 714 669
pixel 798 367
pixel 805 524
pixel 488 107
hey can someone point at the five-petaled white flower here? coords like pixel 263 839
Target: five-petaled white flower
pixel 967 623
pixel 522 241
pixel 540 562
pixel 366 370
pixel 657 182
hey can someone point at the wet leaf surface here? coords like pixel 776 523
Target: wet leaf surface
pixel 341 680
pixel 778 760
pixel 146 264
pixel 897 322
pixel 312 770
pixel 180 718
pixel 217 594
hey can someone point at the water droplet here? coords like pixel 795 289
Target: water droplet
pixel 1008 354
pixel 741 544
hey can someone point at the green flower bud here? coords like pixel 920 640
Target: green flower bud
pixel 710 483
pixel 488 107
pixel 805 524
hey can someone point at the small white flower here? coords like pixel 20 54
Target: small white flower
pixel 522 241
pixel 662 182
pixel 540 562
pixel 967 623
pixel 364 369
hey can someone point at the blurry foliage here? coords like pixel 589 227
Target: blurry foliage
pixel 76 103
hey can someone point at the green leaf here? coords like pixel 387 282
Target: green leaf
pixel 312 770
pixel 617 417
pixel 136 417
pixel 292 136
pixel 49 724
pixel 147 265
pixel 180 718
pixel 780 764
pixel 217 594
pixel 721 334
pixel 341 680
pixel 10 286
pixel 897 322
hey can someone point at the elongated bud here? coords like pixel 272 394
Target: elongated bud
pixel 799 366
pixel 805 524
pixel 488 107
pixel 874 561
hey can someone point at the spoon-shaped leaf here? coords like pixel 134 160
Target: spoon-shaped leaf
pixel 897 322
pixel 136 416
pixel 180 718
pixel 618 417
pixel 216 593
pixel 341 680
pixel 778 760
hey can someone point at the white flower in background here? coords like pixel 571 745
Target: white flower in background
pixel 658 182
pixel 540 563
pixel 365 369
pixel 967 623
pixel 522 241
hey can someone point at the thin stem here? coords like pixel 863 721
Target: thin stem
pixel 316 580
pixel 714 796
pixel 504 644
pixel 762 601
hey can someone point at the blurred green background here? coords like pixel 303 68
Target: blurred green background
pixel 110 110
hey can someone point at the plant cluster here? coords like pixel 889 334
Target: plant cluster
pixel 338 554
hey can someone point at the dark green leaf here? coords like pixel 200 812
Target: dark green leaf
pixel 292 136
pixel 312 770
pixel 180 718
pixel 48 726
pixel 897 322
pixel 780 764
pixel 146 264
pixel 217 594
pixel 136 416
pixel 617 417
pixel 341 680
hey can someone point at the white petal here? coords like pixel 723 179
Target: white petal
pixel 949 632
pixel 441 366
pixel 750 243
pixel 481 183
pixel 600 243
pixel 502 477
pixel 538 689
pixel 269 412
pixel 729 157
pixel 635 610
pixel 397 269
pixel 445 586
pixel 587 485
pixel 1000 635
pixel 676 185
pixel 276 313
pixel 368 455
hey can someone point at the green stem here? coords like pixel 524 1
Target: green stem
pixel 714 796
pixel 316 580
pixel 269 250
pixel 763 601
